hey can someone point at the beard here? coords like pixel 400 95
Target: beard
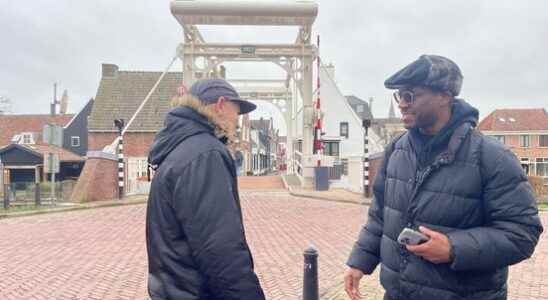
pixel 225 128
pixel 425 120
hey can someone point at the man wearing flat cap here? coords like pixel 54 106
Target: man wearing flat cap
pixel 465 195
pixel 195 235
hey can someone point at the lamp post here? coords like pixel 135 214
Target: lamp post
pixel 366 123
pixel 119 123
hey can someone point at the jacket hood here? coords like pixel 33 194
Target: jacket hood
pixel 427 147
pixel 180 124
pixel 463 112
pixel 188 118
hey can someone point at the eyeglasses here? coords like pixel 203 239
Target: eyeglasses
pixel 409 97
pixel 406 96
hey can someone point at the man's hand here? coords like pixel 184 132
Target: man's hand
pixel 352 279
pixel 436 250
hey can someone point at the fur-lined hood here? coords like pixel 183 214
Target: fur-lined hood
pixel 188 117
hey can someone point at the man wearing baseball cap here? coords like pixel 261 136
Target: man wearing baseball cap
pixel 196 242
pixel 464 192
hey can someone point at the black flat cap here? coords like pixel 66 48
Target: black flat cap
pixel 208 91
pixel 433 71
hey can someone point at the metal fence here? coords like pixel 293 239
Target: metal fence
pixel 335 172
pixel 28 193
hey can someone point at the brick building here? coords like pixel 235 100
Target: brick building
pixel 22 148
pixel 119 95
pixel 28 127
pixel 525 132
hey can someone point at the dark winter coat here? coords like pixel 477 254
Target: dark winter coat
pixel 195 235
pixel 469 187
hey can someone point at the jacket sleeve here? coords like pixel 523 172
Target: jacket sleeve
pixel 365 254
pixel 513 226
pixel 212 222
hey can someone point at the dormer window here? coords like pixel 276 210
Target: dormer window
pixel 16 139
pixel 27 138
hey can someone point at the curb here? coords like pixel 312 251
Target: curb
pixel 68 209
pixel 297 194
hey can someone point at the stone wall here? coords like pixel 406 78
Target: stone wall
pixel 98 180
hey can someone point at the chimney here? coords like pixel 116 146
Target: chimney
pixel 109 70
pixel 64 103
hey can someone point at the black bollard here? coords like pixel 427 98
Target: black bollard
pixel 37 199
pixel 310 281
pixel 6 196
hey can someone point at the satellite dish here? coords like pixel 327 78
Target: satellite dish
pixel 64 103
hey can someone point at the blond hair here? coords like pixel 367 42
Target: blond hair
pixel 222 127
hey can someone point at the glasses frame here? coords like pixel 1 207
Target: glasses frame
pixel 398 97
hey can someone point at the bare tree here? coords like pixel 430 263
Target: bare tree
pixel 5 105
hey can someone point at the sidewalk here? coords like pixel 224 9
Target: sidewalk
pixel 293 185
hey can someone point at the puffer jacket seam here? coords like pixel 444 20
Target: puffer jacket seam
pixel 397 179
pixel 391 239
pixel 446 193
pixel 456 291
pixel 495 163
pixel 392 208
pixel 434 288
pixel 390 269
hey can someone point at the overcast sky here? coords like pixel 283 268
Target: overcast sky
pixel 501 46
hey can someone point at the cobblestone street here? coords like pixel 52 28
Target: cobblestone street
pixel 100 253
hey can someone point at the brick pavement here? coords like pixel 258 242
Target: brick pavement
pixel 100 253
pixel 260 182
pixel 333 194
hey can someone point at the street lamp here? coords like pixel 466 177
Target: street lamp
pixel 366 123
pixel 119 124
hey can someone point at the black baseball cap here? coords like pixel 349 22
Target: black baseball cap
pixel 208 91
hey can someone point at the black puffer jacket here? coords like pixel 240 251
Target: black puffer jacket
pixel 195 236
pixel 473 190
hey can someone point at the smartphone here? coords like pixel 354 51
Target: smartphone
pixel 409 236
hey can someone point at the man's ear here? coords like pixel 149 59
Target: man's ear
pixel 220 104
pixel 445 99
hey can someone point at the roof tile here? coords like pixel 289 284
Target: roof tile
pixel 515 120
pixel 10 125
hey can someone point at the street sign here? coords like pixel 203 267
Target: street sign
pixel 51 163
pixel 6 176
pixel 248 49
pixel 53 135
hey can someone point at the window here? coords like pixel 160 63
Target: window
pixel 543 140
pixel 27 138
pixel 75 141
pixel 142 166
pixel 344 129
pixel 542 167
pixel 359 108
pixel 525 165
pixel 499 138
pixel 344 163
pixel 524 141
pixel 331 148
